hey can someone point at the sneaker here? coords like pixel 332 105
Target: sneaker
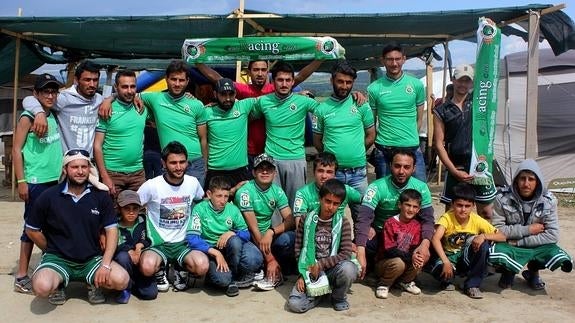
pixel 447 286
pixel 410 288
pixel 381 291
pixel 58 297
pixel 162 281
pixel 341 305
pixel 267 285
pixel 232 290
pixel 474 292
pixel 23 285
pixel 245 281
pixel 180 281
pixel 124 297
pixel 95 295
pixel 259 275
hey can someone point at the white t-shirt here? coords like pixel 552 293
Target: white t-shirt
pixel 169 208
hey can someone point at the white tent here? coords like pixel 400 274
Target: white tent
pixel 555 119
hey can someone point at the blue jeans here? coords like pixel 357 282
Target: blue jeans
pixel 242 258
pixel 340 279
pixel 152 163
pixel 197 168
pixel 356 178
pixel 143 287
pixel 382 162
pixel 284 252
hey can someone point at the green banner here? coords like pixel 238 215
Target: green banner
pixel 485 101
pixel 221 50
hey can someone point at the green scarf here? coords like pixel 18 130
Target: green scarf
pixel 307 254
pixel 484 111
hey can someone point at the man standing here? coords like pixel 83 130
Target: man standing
pixel 397 102
pixel 76 109
pixel 340 124
pixel 380 203
pixel 118 144
pixel 452 139
pixel 526 212
pixel 174 234
pixel 227 127
pixel 258 74
pixel 65 223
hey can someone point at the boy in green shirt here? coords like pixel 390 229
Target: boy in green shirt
pixel 233 257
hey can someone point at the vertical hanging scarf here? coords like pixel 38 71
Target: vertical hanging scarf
pixel 307 255
pixel 485 101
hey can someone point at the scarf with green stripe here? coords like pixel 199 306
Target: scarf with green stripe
pixel 307 255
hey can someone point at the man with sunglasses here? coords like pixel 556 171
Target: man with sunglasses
pixel 66 222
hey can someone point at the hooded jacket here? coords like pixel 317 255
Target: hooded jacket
pixel 510 218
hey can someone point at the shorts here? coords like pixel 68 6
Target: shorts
pixel 172 252
pixel 71 270
pixel 484 194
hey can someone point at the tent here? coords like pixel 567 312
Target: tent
pixel 555 131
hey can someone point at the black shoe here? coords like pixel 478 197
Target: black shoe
pixel 232 290
pixel 567 266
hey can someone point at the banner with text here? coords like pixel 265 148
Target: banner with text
pixel 222 50
pixel 485 101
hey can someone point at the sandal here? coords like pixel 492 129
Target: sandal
pixel 533 281
pixel 506 280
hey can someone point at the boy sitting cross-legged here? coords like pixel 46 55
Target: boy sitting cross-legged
pixel 232 256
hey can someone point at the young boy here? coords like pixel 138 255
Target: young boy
pixel 401 235
pixel 232 256
pixel 131 241
pixel 323 247
pixel 462 239
pixel 37 166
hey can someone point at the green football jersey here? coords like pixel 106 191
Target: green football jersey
pixel 215 223
pixel 250 197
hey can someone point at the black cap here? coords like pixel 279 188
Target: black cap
pixel 44 80
pixel 224 85
pixel 264 158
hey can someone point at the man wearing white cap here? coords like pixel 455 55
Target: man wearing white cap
pixel 452 139
pixel 65 223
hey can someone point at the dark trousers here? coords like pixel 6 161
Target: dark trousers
pixel 143 287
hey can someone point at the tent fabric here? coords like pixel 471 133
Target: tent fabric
pixel 161 37
pixel 555 119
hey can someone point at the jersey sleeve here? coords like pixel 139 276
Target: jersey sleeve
pixel 145 193
pixel 317 121
pixel 300 205
pixel 282 201
pixel 239 222
pixel 353 196
pixel 102 125
pixel 243 200
pixel 371 97
pixel 419 93
pixel 371 197
pixel 426 200
pixel 366 116
pixel 201 116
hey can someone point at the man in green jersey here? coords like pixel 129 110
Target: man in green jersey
pixel 397 101
pixel 227 127
pixel 380 203
pixel 258 199
pixel 340 123
pixel 118 144
pixel 307 197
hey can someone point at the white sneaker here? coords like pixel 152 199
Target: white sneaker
pixel 381 291
pixel 162 281
pixel 259 275
pixel 266 284
pixel 410 288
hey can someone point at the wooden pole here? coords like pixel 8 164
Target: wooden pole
pixel 429 86
pixel 531 149
pixel 15 106
pixel 240 35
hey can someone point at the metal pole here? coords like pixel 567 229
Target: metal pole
pixel 531 149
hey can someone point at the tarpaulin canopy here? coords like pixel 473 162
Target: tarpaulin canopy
pixel 161 37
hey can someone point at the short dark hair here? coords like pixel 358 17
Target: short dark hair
pixel 177 66
pixel 250 63
pixel 409 194
pixel 324 158
pixel 403 151
pixel 121 73
pixel 343 67
pixel 219 183
pixel 333 186
pixel 282 67
pixel 174 147
pixel 86 66
pixel 392 47
pixel 463 191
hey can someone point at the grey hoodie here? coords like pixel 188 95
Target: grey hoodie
pixel 509 215
pixel 77 117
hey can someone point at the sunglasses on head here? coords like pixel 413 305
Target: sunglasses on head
pixel 73 152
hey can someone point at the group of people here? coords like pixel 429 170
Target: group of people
pixel 232 205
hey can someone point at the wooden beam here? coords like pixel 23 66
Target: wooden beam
pixel 531 147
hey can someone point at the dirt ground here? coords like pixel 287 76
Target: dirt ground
pixel 519 304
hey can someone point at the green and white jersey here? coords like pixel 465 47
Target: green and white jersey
pixel 228 135
pixel 395 102
pixel 250 197
pixel 123 145
pixel 42 156
pixel 169 209
pixel 382 196
pixel 285 124
pixel 342 124
pixel 215 223
pixel 307 199
pixel 177 119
